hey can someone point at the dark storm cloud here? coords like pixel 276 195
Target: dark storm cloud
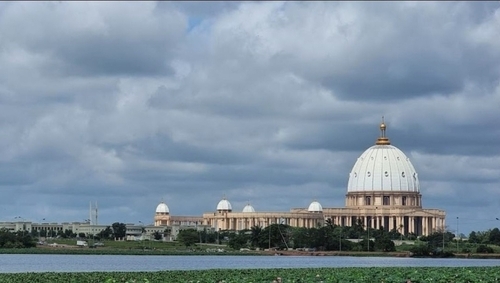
pixel 201 9
pixel 16 174
pixel 267 102
pixel 162 147
pixel 394 79
pixel 348 136
pixel 453 138
pixel 104 39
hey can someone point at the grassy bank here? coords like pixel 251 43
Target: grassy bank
pixel 309 275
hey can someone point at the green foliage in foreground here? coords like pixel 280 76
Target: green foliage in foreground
pixel 305 275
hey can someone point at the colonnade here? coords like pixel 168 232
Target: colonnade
pixel 417 221
pixel 240 221
pixel 420 225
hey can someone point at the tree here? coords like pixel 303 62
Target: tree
pixel 106 233
pixel 275 235
pixel 329 222
pixel 356 231
pixel 18 239
pixel 69 234
pixel 301 238
pixel 385 244
pixel 395 235
pixel 208 237
pixel 255 234
pixel 494 237
pixel 119 230
pixel 435 240
pixel 52 233
pixel 188 237
pixel 238 241
pixel 484 249
pixel 364 244
pixel 420 250
pixel 61 234
pixel 157 235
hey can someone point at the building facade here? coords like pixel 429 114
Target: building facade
pixel 383 190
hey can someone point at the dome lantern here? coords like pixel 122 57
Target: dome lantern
pixel 383 139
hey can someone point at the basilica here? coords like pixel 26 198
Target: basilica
pixel 383 191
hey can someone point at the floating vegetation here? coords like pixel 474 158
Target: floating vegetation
pixel 303 275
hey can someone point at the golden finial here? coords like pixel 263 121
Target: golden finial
pixel 383 140
pixel 382 126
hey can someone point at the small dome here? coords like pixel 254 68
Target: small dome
pixel 225 205
pixel 162 208
pixel 248 208
pixel 315 207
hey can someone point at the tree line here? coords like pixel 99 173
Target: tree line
pixel 19 239
pixel 329 237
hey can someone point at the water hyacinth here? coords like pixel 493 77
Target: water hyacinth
pixel 302 275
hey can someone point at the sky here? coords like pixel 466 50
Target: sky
pixel 130 103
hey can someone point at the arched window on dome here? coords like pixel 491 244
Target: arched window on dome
pixel 404 200
pixel 368 200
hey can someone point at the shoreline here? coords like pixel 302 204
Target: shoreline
pixel 107 251
pixel 375 254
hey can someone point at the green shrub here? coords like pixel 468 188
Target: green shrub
pixel 420 250
pixel 484 249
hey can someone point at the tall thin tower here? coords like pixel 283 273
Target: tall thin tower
pixel 96 214
pixel 93 214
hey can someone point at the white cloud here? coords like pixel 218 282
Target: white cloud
pixel 268 102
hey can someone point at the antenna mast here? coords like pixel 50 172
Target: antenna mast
pixel 96 214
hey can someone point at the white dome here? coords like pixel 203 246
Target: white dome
pixel 162 208
pixel 315 207
pixel 383 168
pixel 248 208
pixel 224 204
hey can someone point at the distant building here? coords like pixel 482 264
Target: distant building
pixel 383 191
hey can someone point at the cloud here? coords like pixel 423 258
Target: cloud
pixel 267 102
pixel 93 39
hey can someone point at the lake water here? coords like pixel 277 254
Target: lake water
pixel 14 263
